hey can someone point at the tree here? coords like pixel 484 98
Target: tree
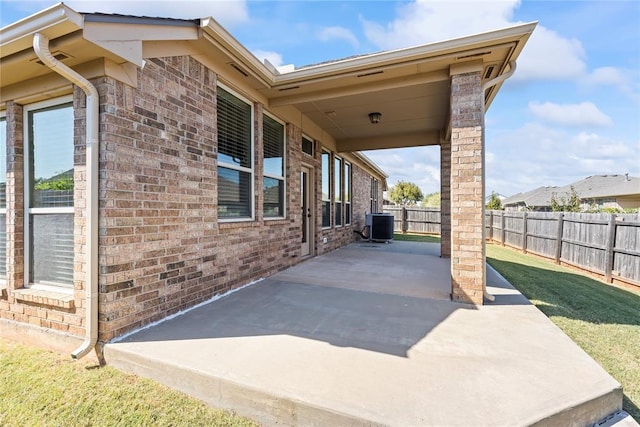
pixel 405 193
pixel 432 200
pixel 495 203
pixel 564 204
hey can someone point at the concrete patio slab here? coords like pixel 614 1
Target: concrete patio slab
pixel 366 335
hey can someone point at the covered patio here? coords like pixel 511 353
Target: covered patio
pixel 367 335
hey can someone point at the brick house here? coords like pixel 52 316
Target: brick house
pixel 154 163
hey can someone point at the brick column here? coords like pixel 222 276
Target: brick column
pixel 467 188
pixel 445 198
pixel 15 199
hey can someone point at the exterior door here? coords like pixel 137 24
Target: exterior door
pixel 307 211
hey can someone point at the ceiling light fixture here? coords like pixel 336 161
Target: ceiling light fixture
pixel 374 118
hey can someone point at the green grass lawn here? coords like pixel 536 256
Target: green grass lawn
pixel 40 388
pixel 604 320
pixel 428 238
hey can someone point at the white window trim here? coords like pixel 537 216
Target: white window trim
pixel 251 170
pixel 341 196
pixel 284 169
pixel 344 192
pixel 27 195
pixel 3 211
pixel 322 152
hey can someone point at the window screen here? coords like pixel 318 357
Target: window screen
pixel 337 172
pixel 235 160
pixel 326 189
pixel 273 180
pixel 50 177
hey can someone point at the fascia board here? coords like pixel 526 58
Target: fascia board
pixel 382 59
pixel 54 22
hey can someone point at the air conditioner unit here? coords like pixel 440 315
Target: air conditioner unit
pixel 380 226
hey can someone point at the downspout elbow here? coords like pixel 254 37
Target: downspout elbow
pixel 41 48
pixel 501 77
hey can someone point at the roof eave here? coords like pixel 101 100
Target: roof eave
pixel 215 34
pixel 449 47
pixel 55 21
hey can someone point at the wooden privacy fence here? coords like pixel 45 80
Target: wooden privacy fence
pixel 604 244
pixel 607 245
pixel 414 219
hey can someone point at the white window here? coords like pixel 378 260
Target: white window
pixel 347 193
pixel 235 156
pixel 339 189
pixel 3 198
pixel 273 183
pixel 326 189
pixel 49 190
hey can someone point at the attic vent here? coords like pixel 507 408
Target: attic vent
pixel 473 55
pixel 489 71
pixel 57 55
pixel 289 88
pixel 373 73
pixel 238 69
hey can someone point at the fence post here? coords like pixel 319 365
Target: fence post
pixel 524 232
pixel 502 227
pixel 559 237
pixel 609 253
pixel 405 225
pixel 491 226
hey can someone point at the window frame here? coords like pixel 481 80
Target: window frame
pixel 283 177
pixel 238 168
pixel 330 189
pixel 338 184
pixel 347 192
pixel 28 210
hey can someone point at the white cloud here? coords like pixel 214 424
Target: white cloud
pixel 583 114
pixel 338 33
pixel 547 54
pixel 273 57
pixel 621 79
pixel 535 155
pixel 420 165
pixel 227 12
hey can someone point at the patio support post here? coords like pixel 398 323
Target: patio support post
pixel 468 269
pixel 445 198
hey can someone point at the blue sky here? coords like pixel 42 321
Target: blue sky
pixel 571 110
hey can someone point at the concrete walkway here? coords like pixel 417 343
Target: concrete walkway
pixel 366 335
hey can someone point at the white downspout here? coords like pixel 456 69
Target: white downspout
pixel 41 47
pixel 485 86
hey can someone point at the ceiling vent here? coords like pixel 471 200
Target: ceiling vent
pixel 372 73
pixel 238 69
pixel 473 55
pixel 59 55
pixel 489 71
pixel 284 89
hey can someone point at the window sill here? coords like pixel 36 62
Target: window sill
pixel 50 298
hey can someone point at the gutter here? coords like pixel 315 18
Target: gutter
pixel 41 48
pixel 485 86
